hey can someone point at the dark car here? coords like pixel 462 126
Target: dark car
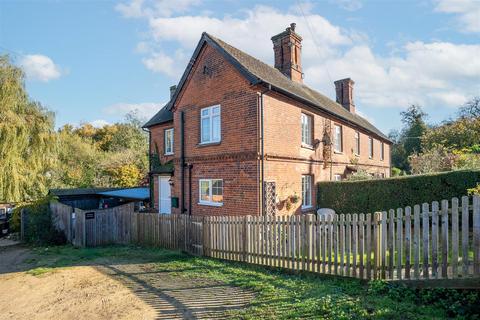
pixel 4 216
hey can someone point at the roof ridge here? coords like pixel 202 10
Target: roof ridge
pixel 300 86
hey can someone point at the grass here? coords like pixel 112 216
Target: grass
pixel 39 271
pixel 280 295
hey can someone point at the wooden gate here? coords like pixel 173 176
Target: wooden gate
pixel 194 235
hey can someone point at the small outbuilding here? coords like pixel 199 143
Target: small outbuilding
pixel 102 198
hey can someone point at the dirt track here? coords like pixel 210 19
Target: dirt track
pixel 109 291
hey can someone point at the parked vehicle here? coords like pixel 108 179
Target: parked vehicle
pixel 5 214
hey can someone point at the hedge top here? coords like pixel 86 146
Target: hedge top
pixel 398 192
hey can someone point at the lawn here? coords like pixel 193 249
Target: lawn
pixel 277 295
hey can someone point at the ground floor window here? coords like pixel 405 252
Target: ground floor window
pixel 306 191
pixel 211 192
pixel 337 177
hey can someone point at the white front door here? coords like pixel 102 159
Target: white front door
pixel 164 195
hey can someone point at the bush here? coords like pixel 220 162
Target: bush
pixel 457 303
pixel 39 227
pixel 398 192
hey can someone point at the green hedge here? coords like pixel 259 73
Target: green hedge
pixel 378 195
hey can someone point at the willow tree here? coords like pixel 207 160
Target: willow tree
pixel 27 139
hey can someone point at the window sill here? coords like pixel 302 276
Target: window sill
pixel 168 154
pixel 307 146
pixel 211 204
pixel 207 144
pixel 337 152
pixel 307 209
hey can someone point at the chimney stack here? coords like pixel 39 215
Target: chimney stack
pixel 344 91
pixel 287 48
pixel 172 91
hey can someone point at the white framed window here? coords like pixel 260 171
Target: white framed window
pixel 382 151
pixel 337 177
pixel 357 143
pixel 210 127
pixel 370 147
pixel 306 129
pixel 168 141
pixel 306 191
pixel 211 192
pixel 338 136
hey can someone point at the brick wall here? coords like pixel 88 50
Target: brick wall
pixel 157 142
pixel 214 81
pixel 287 160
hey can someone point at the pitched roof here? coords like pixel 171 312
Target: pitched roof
pixel 162 116
pixel 258 72
pixel 270 75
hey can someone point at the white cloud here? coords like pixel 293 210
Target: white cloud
pixel 467 11
pixel 99 123
pixel 144 110
pixel 39 67
pixel 431 74
pixel 435 74
pixel 161 63
pixel 349 5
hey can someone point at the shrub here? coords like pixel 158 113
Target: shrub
pixel 398 192
pixel 39 227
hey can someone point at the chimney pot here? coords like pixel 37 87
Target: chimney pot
pixel 344 93
pixel 172 91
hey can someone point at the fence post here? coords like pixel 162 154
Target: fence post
pixel 246 237
pixel 476 235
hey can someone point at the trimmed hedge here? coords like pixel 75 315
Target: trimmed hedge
pixel 398 192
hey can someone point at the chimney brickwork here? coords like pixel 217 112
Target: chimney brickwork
pixel 287 48
pixel 344 93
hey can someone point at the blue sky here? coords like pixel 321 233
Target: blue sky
pixel 93 61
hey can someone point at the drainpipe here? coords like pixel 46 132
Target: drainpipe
pixel 262 152
pixel 182 161
pixel 190 166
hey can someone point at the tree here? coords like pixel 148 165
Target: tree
pixel 408 141
pixel 415 128
pixel 27 139
pixel 471 109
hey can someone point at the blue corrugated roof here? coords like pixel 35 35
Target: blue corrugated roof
pixel 130 193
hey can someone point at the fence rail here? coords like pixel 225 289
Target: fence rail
pixel 431 241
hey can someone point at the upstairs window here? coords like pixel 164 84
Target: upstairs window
pixel 211 192
pixel 306 129
pixel 210 124
pixel 356 149
pixel 338 136
pixel 370 147
pixel 306 191
pixel 382 151
pixel 168 141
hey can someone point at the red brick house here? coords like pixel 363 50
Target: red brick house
pixel 240 137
